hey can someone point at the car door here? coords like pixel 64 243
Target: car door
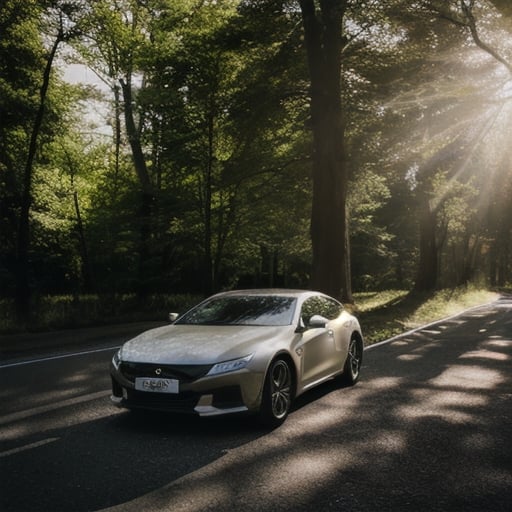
pixel 320 358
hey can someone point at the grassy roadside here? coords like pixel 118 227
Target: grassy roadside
pixel 382 314
pixel 388 313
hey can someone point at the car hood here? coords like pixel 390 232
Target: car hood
pixel 199 344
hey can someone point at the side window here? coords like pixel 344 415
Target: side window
pixel 332 309
pixel 309 308
pixel 328 308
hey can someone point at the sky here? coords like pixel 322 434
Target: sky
pixel 95 110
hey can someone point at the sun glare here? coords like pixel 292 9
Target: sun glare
pixel 463 124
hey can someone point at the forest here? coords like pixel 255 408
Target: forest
pixel 338 145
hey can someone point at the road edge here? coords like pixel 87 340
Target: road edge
pixel 430 324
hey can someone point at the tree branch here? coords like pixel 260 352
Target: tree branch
pixel 471 23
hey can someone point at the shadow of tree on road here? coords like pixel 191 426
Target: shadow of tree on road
pixel 426 429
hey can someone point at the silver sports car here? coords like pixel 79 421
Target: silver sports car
pixel 241 351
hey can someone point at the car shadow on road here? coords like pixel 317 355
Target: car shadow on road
pixel 115 459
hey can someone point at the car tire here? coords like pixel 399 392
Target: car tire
pixel 352 367
pixel 278 391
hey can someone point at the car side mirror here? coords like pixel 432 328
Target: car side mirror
pixel 173 317
pixel 317 322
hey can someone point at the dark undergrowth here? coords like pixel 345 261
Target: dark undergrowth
pixel 66 311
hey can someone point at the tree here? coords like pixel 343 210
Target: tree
pixel 323 40
pixel 223 159
pixel 21 61
pixel 464 14
pixel 115 34
pixel 56 24
pixel 239 125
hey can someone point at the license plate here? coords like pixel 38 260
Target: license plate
pixel 157 385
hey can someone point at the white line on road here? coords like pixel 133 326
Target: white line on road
pixel 427 326
pixel 14 451
pixel 21 415
pixel 60 356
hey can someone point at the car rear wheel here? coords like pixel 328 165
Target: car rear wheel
pixel 352 367
pixel 277 393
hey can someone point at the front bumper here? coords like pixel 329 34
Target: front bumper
pixel 233 392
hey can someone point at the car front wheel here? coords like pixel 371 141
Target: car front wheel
pixel 277 393
pixel 352 367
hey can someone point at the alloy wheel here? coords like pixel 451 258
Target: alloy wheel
pixel 280 388
pixel 354 358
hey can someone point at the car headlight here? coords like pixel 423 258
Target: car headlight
pixel 230 366
pixel 116 360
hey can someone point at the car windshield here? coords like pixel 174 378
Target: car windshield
pixel 242 310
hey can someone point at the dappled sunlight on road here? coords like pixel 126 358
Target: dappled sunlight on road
pixel 390 441
pixel 420 418
pixel 449 405
pixel 469 377
pixel 427 428
pixel 485 354
pixel 51 417
pixel 409 357
pixel 497 341
pixel 382 383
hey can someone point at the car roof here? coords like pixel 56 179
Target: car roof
pixel 269 291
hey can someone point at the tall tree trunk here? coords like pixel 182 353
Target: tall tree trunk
pixel 86 267
pixel 84 252
pixel 117 135
pixel 323 40
pixel 347 276
pixel 139 160
pixel 426 280
pixel 210 278
pixel 146 194
pixel 23 242
pixel 493 264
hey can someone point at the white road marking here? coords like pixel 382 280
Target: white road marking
pixel 21 415
pixel 427 326
pixel 60 356
pixel 14 451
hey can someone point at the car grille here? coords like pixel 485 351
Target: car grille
pixel 183 402
pixel 183 372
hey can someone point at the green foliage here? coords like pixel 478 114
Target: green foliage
pixel 221 103
pixel 370 241
pixel 22 61
pixel 223 162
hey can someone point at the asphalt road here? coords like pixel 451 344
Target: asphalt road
pixel 427 428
